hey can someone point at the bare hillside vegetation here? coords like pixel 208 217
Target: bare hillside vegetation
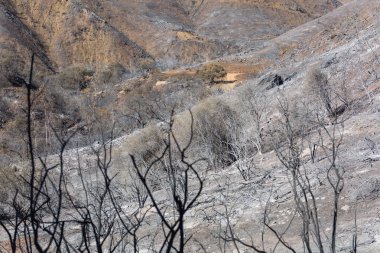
pixel 190 126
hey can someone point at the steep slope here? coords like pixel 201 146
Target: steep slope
pixel 308 41
pixel 73 34
pixel 95 44
pixel 156 26
pixel 249 24
pixel 16 43
pixel 213 28
pixel 344 44
pixel 346 50
pixel 127 31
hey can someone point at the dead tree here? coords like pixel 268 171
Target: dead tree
pixel 47 204
pixel 257 110
pixel 92 204
pixel 37 226
pixel 247 144
pixel 331 139
pixel 184 185
pixel 289 152
pixel 217 132
pixel 289 138
pixel 98 201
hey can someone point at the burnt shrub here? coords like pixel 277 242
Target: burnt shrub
pixel 74 78
pixel 112 73
pixel 211 72
pixel 217 127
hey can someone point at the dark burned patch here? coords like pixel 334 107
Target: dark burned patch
pixel 275 80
